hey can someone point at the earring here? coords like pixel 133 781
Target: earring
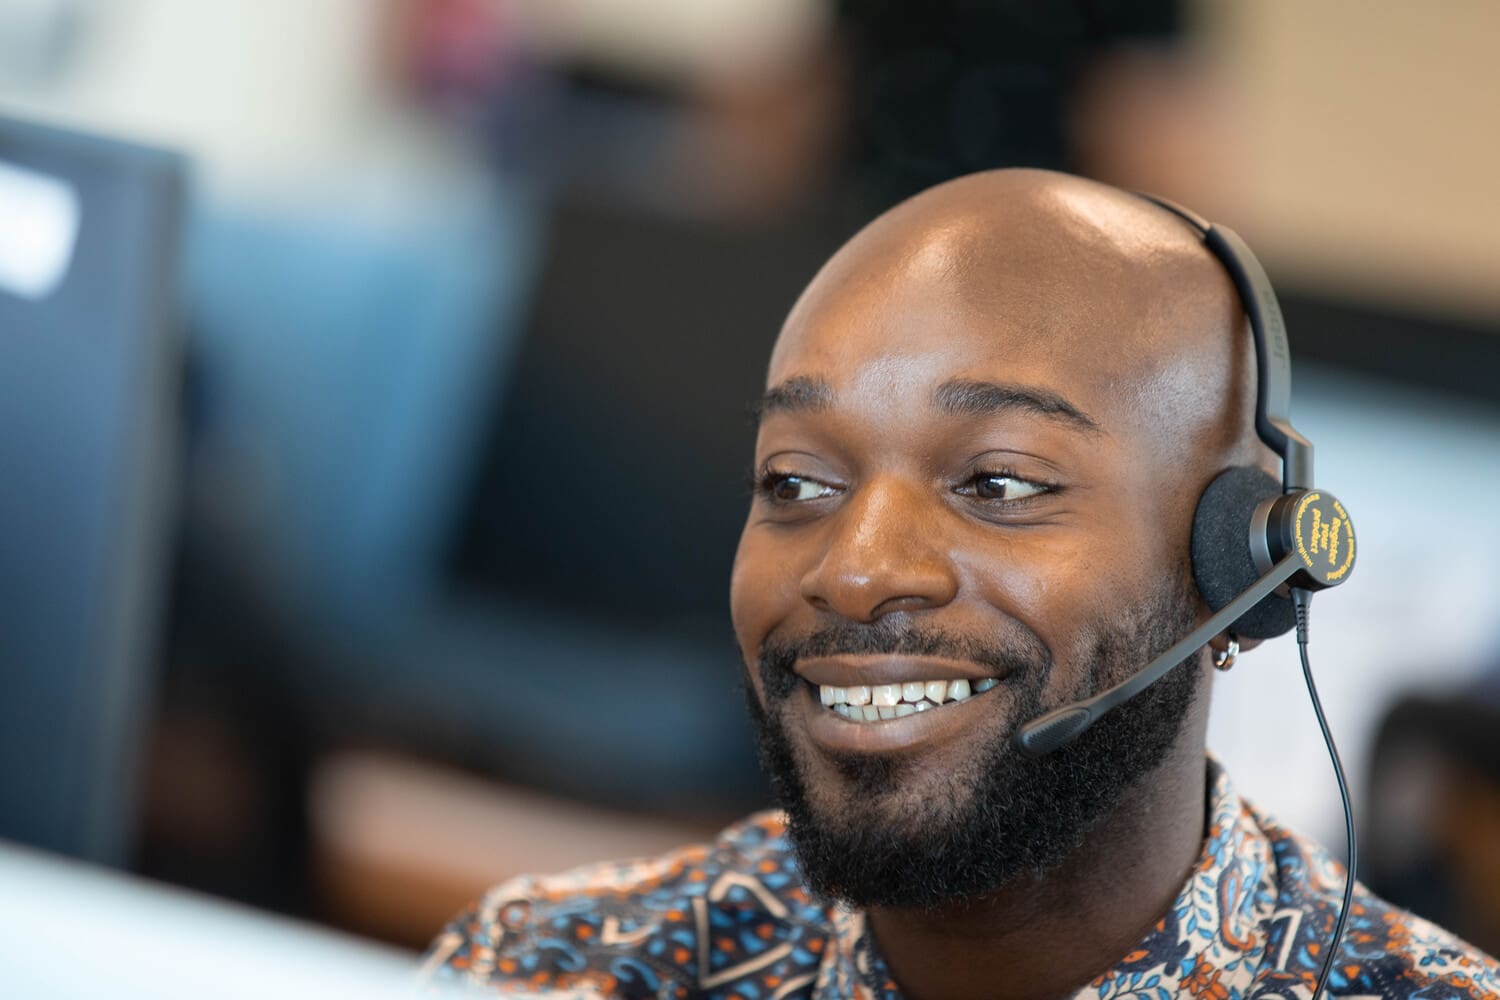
pixel 1224 660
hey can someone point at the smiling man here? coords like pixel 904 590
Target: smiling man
pixel 987 424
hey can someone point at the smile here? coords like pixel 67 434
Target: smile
pixel 881 702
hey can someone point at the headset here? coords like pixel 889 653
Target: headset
pixel 1259 549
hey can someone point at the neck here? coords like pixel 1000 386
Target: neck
pixel 1046 937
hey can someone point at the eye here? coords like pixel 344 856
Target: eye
pixel 781 487
pixel 1003 485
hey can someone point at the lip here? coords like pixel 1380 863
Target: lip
pixel 832 733
pixel 847 671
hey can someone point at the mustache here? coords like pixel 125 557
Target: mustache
pixel 1023 650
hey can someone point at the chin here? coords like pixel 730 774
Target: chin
pixel 890 797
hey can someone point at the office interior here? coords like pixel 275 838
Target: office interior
pixel 399 445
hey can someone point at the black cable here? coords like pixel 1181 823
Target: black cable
pixel 1302 599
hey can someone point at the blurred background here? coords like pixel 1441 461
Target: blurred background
pixel 374 384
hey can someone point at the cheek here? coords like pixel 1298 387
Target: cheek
pixel 1034 590
pixel 1061 586
pixel 1042 579
pixel 742 608
pixel 764 591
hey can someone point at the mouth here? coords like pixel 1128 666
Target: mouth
pixel 875 703
pixel 886 702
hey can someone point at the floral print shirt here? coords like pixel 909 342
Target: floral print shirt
pixel 733 920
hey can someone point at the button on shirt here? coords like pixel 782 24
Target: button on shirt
pixel 733 919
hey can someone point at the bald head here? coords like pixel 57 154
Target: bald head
pixel 987 425
pixel 1119 291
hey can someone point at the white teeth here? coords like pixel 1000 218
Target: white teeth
pixel 870 703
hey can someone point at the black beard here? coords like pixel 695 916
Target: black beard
pixel 1006 818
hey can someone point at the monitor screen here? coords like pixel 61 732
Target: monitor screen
pixel 88 373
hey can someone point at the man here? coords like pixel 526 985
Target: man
pixel 987 423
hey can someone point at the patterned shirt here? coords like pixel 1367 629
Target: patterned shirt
pixel 733 919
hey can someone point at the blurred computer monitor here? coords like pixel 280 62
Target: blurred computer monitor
pixel 88 374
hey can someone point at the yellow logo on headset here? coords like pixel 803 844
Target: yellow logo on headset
pixel 1325 537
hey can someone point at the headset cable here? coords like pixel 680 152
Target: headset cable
pixel 1302 600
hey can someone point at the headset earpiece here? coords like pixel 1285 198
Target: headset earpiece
pixel 1245 523
pixel 1224 549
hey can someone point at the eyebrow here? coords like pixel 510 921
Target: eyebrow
pixel 968 398
pixel 959 397
pixel 799 394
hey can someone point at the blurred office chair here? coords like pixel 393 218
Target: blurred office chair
pixel 1433 823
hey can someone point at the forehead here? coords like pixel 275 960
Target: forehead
pixel 896 319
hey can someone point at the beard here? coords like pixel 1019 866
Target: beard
pixel 999 816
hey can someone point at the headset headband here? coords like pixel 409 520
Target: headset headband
pixel 1273 394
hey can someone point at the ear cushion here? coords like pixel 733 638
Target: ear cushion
pixel 1223 565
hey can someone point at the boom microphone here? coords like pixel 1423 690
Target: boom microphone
pixel 1064 724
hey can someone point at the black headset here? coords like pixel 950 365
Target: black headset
pixel 1278 519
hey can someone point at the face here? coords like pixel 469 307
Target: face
pixel 966 515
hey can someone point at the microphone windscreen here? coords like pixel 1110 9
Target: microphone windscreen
pixel 1223 564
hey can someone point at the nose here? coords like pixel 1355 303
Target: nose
pixel 886 552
